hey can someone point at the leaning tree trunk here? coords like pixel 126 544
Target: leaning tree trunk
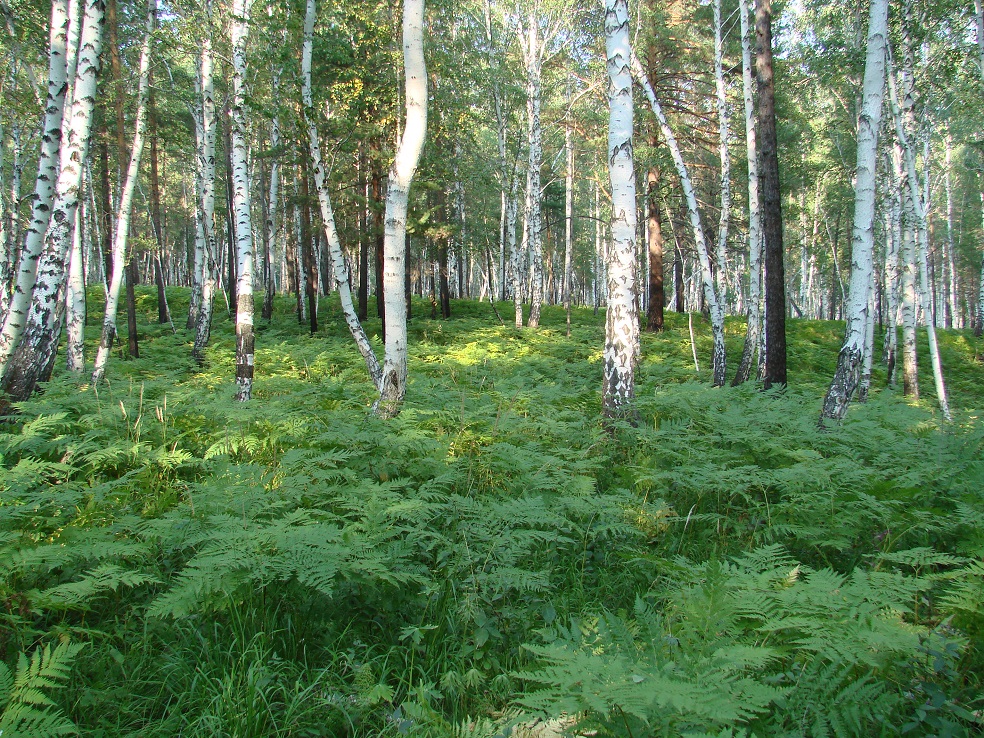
pixel 754 326
pixel 393 385
pixel 719 362
pixel 851 359
pixel 621 350
pixel 245 338
pixel 44 189
pixel 339 267
pixel 33 359
pixel 775 275
pixel 126 204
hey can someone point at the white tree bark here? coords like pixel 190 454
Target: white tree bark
pixel 125 207
pixel 75 320
pixel 33 359
pixel 532 46
pixel 568 220
pixel 205 235
pixel 710 293
pixel 245 338
pixel 339 267
pixel 754 326
pixel 893 237
pixel 910 306
pixel 44 189
pixel 393 385
pixel 723 133
pixel 904 124
pixel 858 309
pixel 621 350
pixel 979 18
pixel 951 309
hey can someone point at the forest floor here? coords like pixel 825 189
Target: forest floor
pixel 295 566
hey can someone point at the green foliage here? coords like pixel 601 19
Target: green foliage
pixel 25 708
pixel 295 566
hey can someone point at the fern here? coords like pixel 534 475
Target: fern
pixel 27 711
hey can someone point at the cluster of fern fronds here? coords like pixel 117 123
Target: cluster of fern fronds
pixel 296 566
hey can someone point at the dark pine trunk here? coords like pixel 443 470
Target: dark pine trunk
pixel 775 278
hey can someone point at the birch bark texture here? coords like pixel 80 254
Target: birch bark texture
pixel 33 358
pixel 621 351
pixel 858 310
pixel 245 338
pixel 125 206
pixel 532 45
pixel 44 189
pixel 979 18
pixel 754 326
pixel 393 383
pixel 205 124
pixel 913 199
pixel 339 268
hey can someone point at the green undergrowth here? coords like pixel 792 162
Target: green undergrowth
pixel 295 566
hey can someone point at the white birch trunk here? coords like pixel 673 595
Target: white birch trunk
pixel 339 267
pixel 904 124
pixel 952 315
pixel 515 254
pixel 75 320
pixel 52 133
pixel 754 326
pixel 621 350
pixel 245 338
pixel 568 224
pixel 125 207
pixel 893 237
pixel 206 194
pixel 532 48
pixel 393 384
pixel 979 18
pixel 858 312
pixel 723 133
pixel 33 359
pixel 710 293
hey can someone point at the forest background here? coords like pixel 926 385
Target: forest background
pixel 296 565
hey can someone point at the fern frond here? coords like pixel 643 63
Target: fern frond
pixel 27 709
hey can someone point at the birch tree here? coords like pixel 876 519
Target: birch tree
pixel 205 241
pixel 245 338
pixel 125 207
pixel 852 354
pixel 723 148
pixel 621 350
pixel 339 267
pixel 904 116
pixel 15 314
pixel 754 326
pixel 719 358
pixel 33 359
pixel 979 20
pixel 393 384
pixel 532 44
